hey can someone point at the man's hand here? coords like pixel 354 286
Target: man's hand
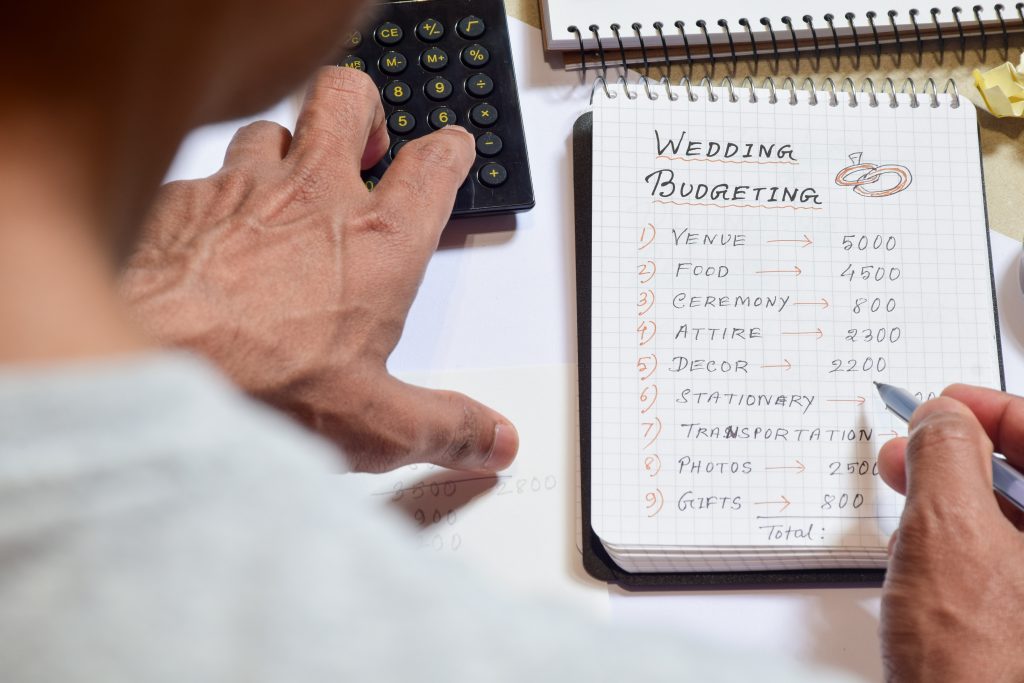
pixel 293 278
pixel 953 601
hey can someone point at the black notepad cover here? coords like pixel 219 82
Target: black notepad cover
pixel 596 560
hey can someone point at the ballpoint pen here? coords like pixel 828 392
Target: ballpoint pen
pixel 1005 479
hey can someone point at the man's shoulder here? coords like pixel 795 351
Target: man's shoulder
pixel 127 432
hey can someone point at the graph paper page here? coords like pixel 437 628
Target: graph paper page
pixel 756 267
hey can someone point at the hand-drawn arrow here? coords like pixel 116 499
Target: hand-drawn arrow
pixel 786 365
pixel 795 270
pixel 891 434
pixel 784 502
pixel 799 467
pixel 859 400
pixel 806 242
pixel 818 333
pixel 823 302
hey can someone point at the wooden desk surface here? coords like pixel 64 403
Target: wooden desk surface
pixel 1002 140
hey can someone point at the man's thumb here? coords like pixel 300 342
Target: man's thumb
pixel 948 457
pixel 452 430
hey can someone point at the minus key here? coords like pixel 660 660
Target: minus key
pixel 488 145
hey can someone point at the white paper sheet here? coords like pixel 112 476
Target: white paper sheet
pixel 756 267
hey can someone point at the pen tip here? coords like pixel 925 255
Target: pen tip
pixel 877 384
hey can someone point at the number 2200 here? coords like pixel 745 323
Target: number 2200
pixel 858 365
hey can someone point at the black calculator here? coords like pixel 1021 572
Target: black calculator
pixel 444 62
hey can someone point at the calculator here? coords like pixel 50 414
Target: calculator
pixel 444 62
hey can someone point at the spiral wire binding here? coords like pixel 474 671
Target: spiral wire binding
pixel 896 33
pixel 706 82
pixel 727 90
pixel 981 25
pixel 664 45
pixel 938 31
pixel 829 18
pixel 600 49
pixel 960 30
pixel 686 41
pixel 767 23
pixel 790 85
pixel 870 84
pixel 647 63
pixel 622 50
pixel 727 83
pixel 796 47
pixel 917 36
pixel 809 20
pixel 732 45
pixel 583 53
pixel 753 44
pixel 874 32
pixel 892 92
pixel 819 35
pixel 813 99
pixel 998 7
pixel 850 16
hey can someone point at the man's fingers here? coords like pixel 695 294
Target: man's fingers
pixel 258 142
pixel 948 458
pixel 1001 415
pixel 892 458
pixel 399 234
pixel 892 464
pixel 419 187
pixel 452 430
pixel 341 125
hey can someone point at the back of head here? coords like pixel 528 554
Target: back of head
pixel 202 59
pixel 95 97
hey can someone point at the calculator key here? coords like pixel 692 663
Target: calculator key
pixel 393 152
pixel 471 27
pixel 354 62
pixel 434 59
pixel 475 55
pixel 483 115
pixel 388 33
pixel 397 92
pixel 438 88
pixel 488 145
pixel 430 30
pixel 371 182
pixel 393 63
pixel 441 117
pixel 401 122
pixel 354 39
pixel 492 174
pixel 479 85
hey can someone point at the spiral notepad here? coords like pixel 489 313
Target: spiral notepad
pixel 643 33
pixel 758 258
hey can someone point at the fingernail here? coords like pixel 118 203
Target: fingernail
pixel 503 450
pixel 456 128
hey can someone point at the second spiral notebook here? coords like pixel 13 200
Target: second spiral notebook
pixel 750 261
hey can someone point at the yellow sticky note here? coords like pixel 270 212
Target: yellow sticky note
pixel 1002 88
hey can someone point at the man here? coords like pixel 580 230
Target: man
pixel 157 524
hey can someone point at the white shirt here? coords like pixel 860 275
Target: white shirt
pixel 157 525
